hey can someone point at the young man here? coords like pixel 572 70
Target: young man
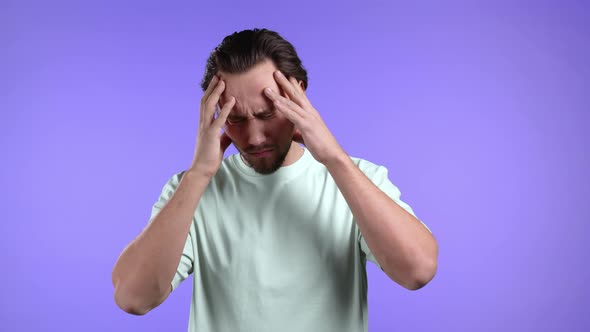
pixel 277 235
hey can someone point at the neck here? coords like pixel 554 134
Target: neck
pixel 295 152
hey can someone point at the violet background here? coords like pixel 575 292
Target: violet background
pixel 480 111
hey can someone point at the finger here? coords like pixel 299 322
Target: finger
pixel 290 113
pixel 218 123
pixel 298 87
pixel 211 101
pixel 210 87
pixel 279 100
pixel 303 101
pixel 287 86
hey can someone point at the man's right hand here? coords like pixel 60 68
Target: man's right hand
pixel 211 144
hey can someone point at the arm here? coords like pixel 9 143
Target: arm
pixel 405 249
pixel 143 271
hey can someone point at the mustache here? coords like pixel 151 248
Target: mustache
pixel 259 149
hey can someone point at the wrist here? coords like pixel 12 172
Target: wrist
pixel 198 173
pixel 339 160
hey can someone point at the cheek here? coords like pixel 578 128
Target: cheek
pixel 232 132
pixel 282 127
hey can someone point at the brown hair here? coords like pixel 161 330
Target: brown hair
pixel 242 50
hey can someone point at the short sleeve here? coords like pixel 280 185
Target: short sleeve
pixel 185 266
pixel 379 176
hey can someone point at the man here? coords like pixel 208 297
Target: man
pixel 277 235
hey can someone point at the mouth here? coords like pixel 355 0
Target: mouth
pixel 262 153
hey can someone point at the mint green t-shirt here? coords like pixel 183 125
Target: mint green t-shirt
pixel 278 252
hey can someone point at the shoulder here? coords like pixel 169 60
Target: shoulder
pixel 369 168
pixel 172 182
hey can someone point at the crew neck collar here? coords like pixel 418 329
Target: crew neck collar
pixel 283 171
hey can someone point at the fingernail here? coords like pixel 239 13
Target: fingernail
pixel 268 90
pixel 279 73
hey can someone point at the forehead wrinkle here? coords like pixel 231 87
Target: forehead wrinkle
pixel 241 112
pixel 248 88
pixel 244 109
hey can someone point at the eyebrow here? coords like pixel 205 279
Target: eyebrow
pixel 241 116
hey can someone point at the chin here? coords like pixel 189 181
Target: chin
pixel 267 165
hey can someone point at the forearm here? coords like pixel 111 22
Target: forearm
pixel 143 271
pixel 405 249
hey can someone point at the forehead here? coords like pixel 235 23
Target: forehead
pixel 248 87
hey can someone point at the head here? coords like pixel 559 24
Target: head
pixel 246 61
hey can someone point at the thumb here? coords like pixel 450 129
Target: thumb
pixel 225 141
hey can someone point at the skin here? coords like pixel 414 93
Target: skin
pixel 142 274
pixel 406 250
pixel 254 124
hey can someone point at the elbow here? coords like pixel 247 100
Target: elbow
pixel 130 304
pixel 414 275
pixel 421 275
pixel 133 310
pixel 423 268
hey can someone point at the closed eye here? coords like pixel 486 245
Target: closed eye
pixel 266 114
pixel 234 121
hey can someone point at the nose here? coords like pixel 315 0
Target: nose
pixel 255 133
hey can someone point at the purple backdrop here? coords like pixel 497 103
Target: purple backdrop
pixel 479 112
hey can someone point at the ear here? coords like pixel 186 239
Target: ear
pixel 297 137
pixel 301 85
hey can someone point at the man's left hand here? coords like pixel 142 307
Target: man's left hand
pixel 310 129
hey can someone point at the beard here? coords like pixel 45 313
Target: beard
pixel 267 164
